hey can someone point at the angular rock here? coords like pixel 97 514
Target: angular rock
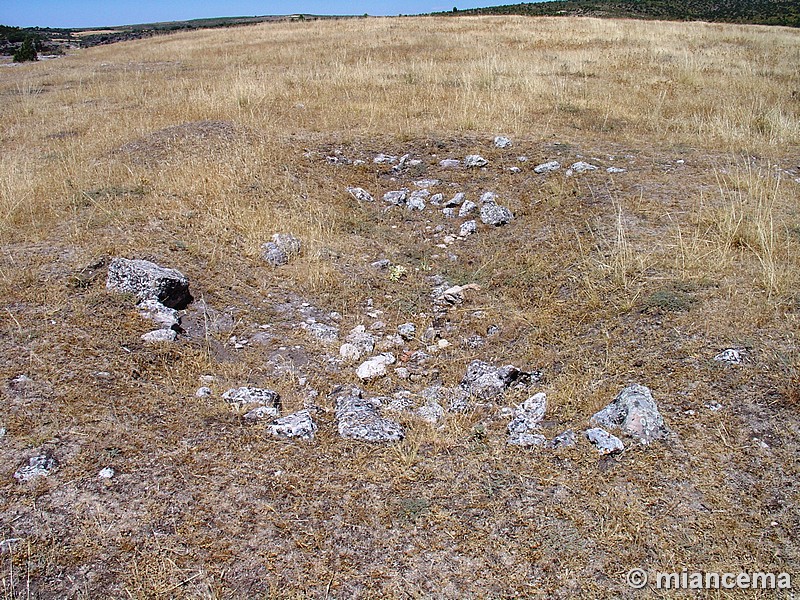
pixel 475 160
pixel 38 466
pixel 407 331
pixel 350 352
pixel 426 183
pixel 159 336
pixel 299 424
pixel 614 170
pixel 360 194
pixel 450 213
pixel 381 264
pixel 384 158
pixel 261 412
pixel 486 381
pixel 282 248
pixel 456 200
pixel 396 197
pixel 582 167
pixel 106 473
pixel 152 309
pixel 732 356
pixel 467 208
pixel 436 199
pixel 547 167
pixel 635 412
pixel 203 392
pixel 450 163
pixel 494 214
pixel 359 419
pixel 363 341
pixel 488 198
pixel 527 417
pixel 432 412
pixel 502 141
pixel 454 295
pixel 243 396
pixel 604 441
pixel 468 228
pixel 325 333
pixel 148 281
pixel 563 440
pixel 526 439
pixel 417 200
pixel 375 367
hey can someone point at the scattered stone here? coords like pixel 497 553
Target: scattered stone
pixel 282 248
pixel 159 336
pixel 426 183
pixel 243 396
pixel 455 200
pixel 732 356
pixel 450 213
pixel 106 473
pixel 522 159
pixel 485 381
pixel 432 412
pixel 384 158
pixel 488 198
pixel 514 170
pixel 359 419
pixel 449 239
pixel 450 163
pixel 396 197
pixel 417 200
pixel 350 352
pixel 375 367
pixel 359 338
pixel 381 264
pixel 261 412
pixel 635 412
pixel 2 432
pixel 527 417
pixel 494 214
pixel 38 466
pixel 502 141
pixel 203 392
pixel 526 439
pixel 152 309
pixel 547 167
pixel 604 441
pixel 324 333
pixel 467 208
pixel 436 199
pixel 468 228
pixel 615 170
pixel 360 194
pixel 582 167
pixel 454 295
pixel 299 424
pixel 475 160
pixel 148 281
pixel 407 331
pixel 564 440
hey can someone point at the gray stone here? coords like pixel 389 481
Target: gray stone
pixel 360 194
pixel 147 280
pixel 456 200
pixel 152 309
pixel 485 381
pixel 381 264
pixel 527 439
pixel 527 417
pixel 563 440
pixel 432 412
pixel 450 163
pixel 547 167
pixel 436 199
pixel 494 214
pixel 282 248
pixel 363 341
pixel 407 331
pixel 38 466
pixel 467 208
pixel 417 200
pixel 203 392
pixel 604 441
pixel 261 412
pixel 488 198
pixel 299 424
pixel 426 183
pixel 635 412
pixel 614 170
pixel 450 213
pixel 106 473
pixel 384 158
pixel 375 367
pixel 322 332
pixel 502 141
pixel 468 228
pixel 582 167
pixel 159 336
pixel 396 197
pixel 243 396
pixel 475 160
pixel 359 419
pixel 732 356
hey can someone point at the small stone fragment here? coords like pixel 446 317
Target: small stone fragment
pixel 614 170
pixel 502 141
pixel 261 412
pixel 450 163
pixel 106 473
pixel 604 441
pixel 635 412
pixel 436 199
pixel 563 440
pixel 494 214
pixel 375 367
pixel 467 208
pixel 407 331
pixel 475 160
pixel 324 333
pixel 547 167
pixel 432 412
pixel 468 228
pixel 582 167
pixel 485 381
pixel 38 466
pixel 299 424
pixel 359 419
pixel 360 194
pixel 396 197
pixel 455 200
pixel 282 248
pixel 203 392
pixel 159 336
pixel 732 356
pixel 241 397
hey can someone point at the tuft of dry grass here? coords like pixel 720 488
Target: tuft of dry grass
pixel 193 149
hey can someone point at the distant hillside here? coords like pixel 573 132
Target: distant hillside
pixel 762 12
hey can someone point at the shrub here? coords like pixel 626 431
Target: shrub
pixel 26 52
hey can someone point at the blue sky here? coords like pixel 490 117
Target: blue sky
pixel 94 13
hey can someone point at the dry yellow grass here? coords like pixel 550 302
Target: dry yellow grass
pixel 192 149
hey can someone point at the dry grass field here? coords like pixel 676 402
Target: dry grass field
pixel 192 149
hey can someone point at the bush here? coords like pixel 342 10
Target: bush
pixel 26 52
